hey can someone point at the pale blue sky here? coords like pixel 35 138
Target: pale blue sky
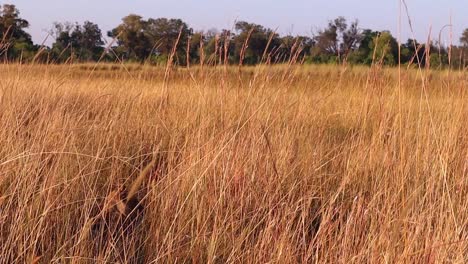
pixel 295 16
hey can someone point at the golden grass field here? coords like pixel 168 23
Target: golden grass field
pixel 267 164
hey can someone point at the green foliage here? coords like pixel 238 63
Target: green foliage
pixel 15 42
pixel 291 47
pixel 385 48
pixel 155 40
pixel 81 42
pixel 196 41
pixel 337 41
pixel 165 32
pixel 133 38
pixel 259 41
pixel 142 40
pixel 464 38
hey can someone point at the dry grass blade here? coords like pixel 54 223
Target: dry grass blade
pixel 135 186
pixel 36 259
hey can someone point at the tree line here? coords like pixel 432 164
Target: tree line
pixel 158 40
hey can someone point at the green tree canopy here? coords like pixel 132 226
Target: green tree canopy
pixel 141 39
pixel 464 38
pixel 133 39
pixel 83 42
pixel 385 48
pixel 154 39
pixel 14 40
pixel 164 33
pixel 336 41
pixel 259 40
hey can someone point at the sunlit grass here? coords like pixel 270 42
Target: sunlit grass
pixel 259 164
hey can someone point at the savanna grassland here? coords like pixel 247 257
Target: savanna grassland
pixel 266 164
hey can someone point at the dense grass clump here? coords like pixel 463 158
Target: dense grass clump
pixel 212 165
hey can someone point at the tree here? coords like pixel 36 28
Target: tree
pixel 63 45
pixel 351 37
pixel 336 41
pixel 291 47
pixel 464 38
pixel 197 41
pixel 72 40
pixel 385 48
pixel 133 40
pixel 14 41
pixel 459 57
pixel 153 39
pixel 90 41
pixel 164 33
pixel 220 46
pixel 327 39
pixel 211 37
pixel 259 41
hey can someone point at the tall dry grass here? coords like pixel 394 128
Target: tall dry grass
pixel 277 164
